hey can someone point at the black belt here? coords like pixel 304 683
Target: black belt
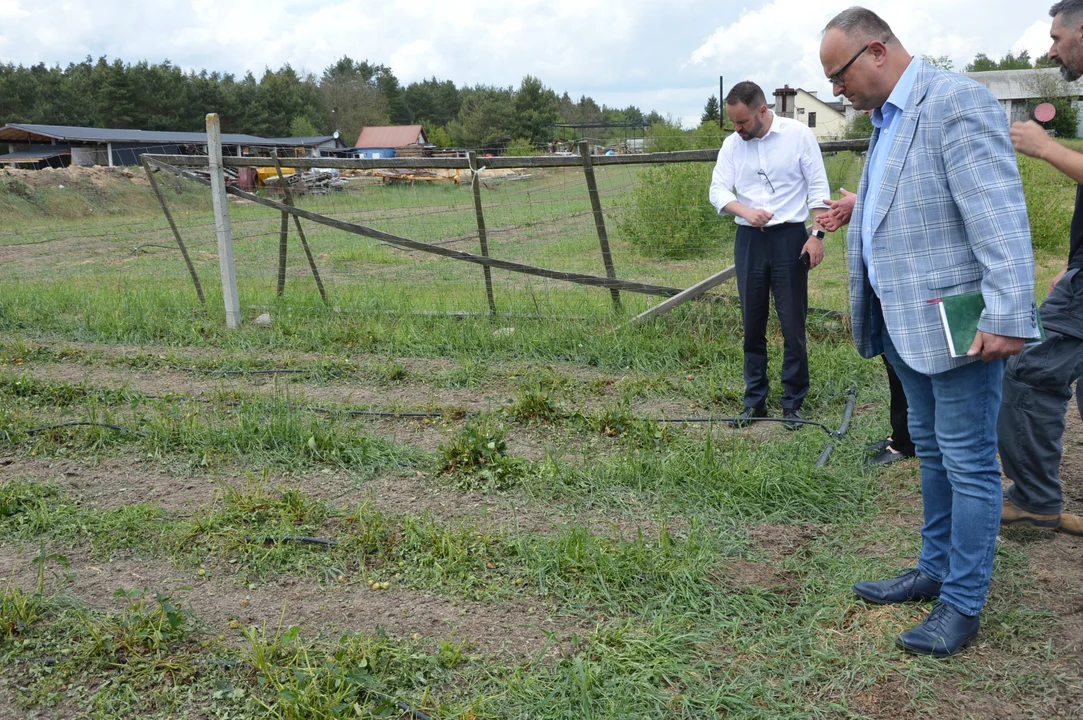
pixel 774 228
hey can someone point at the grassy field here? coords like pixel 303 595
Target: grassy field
pixel 371 509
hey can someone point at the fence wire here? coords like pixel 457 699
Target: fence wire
pixel 109 229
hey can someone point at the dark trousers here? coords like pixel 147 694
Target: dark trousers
pixel 900 433
pixel 1037 390
pixel 768 263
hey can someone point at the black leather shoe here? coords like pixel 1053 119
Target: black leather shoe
pixel 911 586
pixel 792 415
pixel 886 457
pixel 745 418
pixel 878 446
pixel 945 632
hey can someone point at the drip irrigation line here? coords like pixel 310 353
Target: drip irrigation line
pixel 137 248
pixel 118 428
pixel 843 427
pixel 238 372
pixel 820 425
pixel 301 539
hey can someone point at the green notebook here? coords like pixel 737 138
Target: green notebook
pixel 960 315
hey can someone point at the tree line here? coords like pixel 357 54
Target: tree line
pixel 349 95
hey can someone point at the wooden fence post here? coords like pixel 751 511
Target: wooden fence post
pixel 300 234
pixel 221 222
pixel 482 235
pixel 176 232
pixel 599 220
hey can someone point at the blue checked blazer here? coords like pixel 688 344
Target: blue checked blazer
pixel 951 218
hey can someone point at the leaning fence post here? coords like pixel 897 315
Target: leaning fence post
pixel 599 219
pixel 176 233
pixel 221 222
pixel 300 233
pixel 482 235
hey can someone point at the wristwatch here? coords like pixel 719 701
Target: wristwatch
pixel 819 233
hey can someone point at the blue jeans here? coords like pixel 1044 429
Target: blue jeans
pixel 953 422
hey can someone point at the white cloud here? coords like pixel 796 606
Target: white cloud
pixel 661 56
pixel 1035 39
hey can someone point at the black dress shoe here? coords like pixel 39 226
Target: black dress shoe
pixel 878 446
pixel 945 632
pixel 745 418
pixel 911 586
pixel 793 415
pixel 886 457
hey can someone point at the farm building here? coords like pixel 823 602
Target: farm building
pixel 1019 90
pixel 390 141
pixel 62 145
pixel 827 120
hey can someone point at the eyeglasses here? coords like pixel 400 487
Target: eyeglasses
pixel 836 79
pixel 766 180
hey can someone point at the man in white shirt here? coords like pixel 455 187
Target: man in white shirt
pixel 769 175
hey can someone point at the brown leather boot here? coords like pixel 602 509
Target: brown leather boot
pixel 1012 514
pixel 1071 524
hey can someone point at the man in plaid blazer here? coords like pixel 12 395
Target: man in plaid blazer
pixel 940 211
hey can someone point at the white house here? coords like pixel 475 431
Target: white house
pixel 827 120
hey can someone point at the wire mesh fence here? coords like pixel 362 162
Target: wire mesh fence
pixel 103 228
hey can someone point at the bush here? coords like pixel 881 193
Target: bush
pixel 671 215
pixel 521 147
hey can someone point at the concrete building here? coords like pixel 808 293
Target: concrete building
pixel 1019 90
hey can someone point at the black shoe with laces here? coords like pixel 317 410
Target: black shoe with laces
pixel 945 632
pixel 745 418
pixel 793 418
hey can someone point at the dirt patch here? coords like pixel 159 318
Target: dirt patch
pixel 116 482
pixel 512 628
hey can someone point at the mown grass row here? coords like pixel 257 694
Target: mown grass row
pixel 678 635
pixel 631 460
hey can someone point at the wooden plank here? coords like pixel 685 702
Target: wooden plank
pixel 684 296
pixel 222 226
pixel 496 163
pixel 176 232
pixel 482 236
pixel 599 219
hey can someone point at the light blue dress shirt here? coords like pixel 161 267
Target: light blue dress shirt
pixel 886 118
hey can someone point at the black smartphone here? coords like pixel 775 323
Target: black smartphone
pixel 805 260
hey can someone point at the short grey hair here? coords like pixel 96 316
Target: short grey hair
pixel 1067 8
pixel 864 23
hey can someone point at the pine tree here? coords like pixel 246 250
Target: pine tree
pixel 711 111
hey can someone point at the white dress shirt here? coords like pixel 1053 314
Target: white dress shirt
pixel 782 173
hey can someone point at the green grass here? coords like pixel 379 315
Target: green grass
pixel 695 571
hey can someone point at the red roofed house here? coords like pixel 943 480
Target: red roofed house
pixel 389 141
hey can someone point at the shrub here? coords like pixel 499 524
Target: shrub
pixel 521 147
pixel 671 215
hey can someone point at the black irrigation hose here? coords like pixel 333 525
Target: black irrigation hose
pixel 846 415
pixel 137 248
pixel 237 372
pixel 118 428
pixel 302 539
pixel 823 427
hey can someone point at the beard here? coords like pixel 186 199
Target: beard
pixel 1069 74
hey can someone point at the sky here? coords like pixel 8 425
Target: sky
pixel 664 56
